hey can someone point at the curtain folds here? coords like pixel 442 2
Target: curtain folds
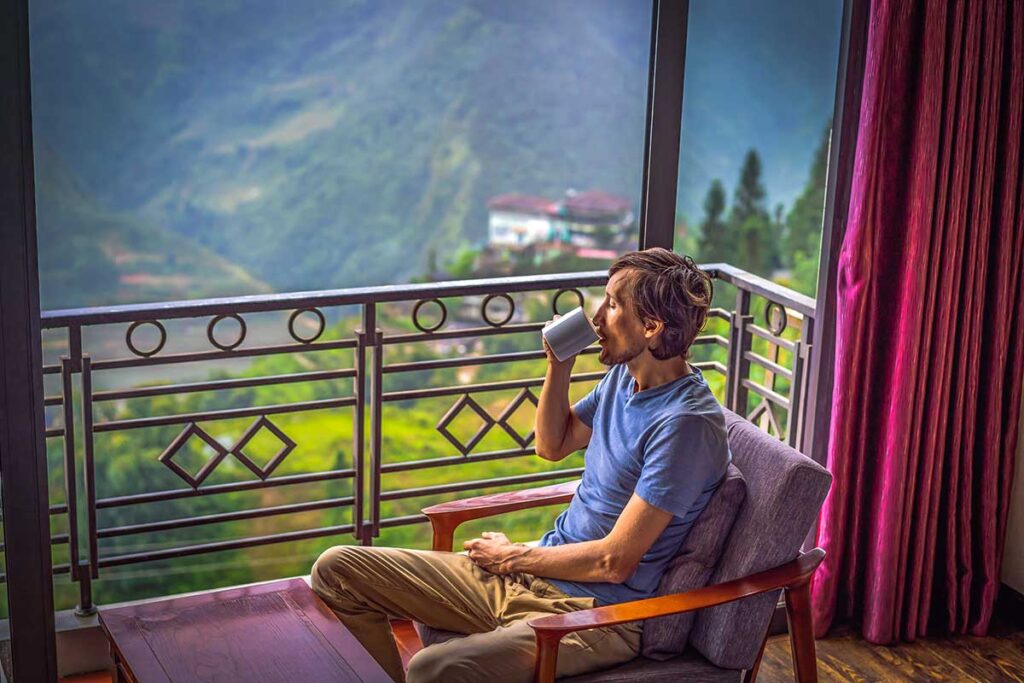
pixel 930 346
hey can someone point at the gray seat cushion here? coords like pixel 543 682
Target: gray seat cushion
pixel 666 637
pixel 432 636
pixel 784 492
pixel 689 667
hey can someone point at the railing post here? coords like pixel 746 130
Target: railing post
pixel 359 433
pixel 85 607
pixel 68 366
pixel 89 470
pixel 376 404
pixel 739 344
pixel 799 398
pixel 369 376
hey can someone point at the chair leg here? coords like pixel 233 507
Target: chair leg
pixel 751 674
pixel 801 633
pixel 546 662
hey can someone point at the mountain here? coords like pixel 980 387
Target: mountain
pixel 88 255
pixel 328 144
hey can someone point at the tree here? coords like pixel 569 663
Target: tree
pixel 804 222
pixel 755 244
pixel 716 243
pixel 750 194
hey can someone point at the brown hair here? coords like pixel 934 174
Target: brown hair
pixel 671 288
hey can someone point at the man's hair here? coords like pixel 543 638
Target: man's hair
pixel 665 286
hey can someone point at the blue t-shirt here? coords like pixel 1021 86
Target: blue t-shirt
pixel 668 445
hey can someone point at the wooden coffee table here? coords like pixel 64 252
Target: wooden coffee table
pixel 278 631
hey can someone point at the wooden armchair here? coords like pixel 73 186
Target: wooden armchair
pixel 792 577
pixel 756 555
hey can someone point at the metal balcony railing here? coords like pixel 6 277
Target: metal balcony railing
pixel 148 384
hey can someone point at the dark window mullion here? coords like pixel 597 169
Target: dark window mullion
pixel 22 451
pixel 664 119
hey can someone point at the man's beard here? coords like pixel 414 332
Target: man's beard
pixel 606 357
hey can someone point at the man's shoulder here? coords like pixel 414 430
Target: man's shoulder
pixel 688 433
pixel 708 421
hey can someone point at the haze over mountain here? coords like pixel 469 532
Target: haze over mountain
pixel 314 144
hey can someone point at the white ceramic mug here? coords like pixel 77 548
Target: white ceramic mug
pixel 570 334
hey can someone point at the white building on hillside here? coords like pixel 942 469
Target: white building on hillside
pixel 518 220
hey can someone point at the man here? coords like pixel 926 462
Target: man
pixel 656 451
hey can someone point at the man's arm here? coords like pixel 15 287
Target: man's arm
pixel 612 559
pixel 559 431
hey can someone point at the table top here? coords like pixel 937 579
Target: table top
pixel 278 632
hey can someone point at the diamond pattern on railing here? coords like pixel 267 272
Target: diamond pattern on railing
pixel 764 409
pixel 524 395
pixel 453 412
pixel 287 446
pixel 167 457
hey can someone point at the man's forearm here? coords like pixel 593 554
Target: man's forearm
pixel 587 561
pixel 552 417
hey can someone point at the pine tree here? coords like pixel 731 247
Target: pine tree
pixel 750 194
pixel 755 244
pixel 716 243
pixel 804 222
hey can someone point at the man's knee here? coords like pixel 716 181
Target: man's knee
pixel 438 663
pixel 333 568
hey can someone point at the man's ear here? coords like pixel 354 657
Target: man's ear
pixel 652 328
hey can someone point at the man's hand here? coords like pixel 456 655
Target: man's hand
pixel 564 366
pixel 494 552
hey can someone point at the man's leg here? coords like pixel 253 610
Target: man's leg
pixel 506 655
pixel 367 586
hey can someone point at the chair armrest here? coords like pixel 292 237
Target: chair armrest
pixel 446 517
pixel 550 630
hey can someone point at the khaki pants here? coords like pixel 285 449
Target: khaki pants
pixel 368 586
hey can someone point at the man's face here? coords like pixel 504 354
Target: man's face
pixel 620 329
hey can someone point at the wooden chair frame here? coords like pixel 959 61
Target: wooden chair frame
pixel 792 577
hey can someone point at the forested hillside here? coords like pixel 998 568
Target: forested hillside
pixel 329 144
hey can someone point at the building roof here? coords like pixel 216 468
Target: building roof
pixel 601 254
pixel 596 203
pixel 523 203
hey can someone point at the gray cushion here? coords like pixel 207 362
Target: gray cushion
pixel 666 637
pixel 784 492
pixel 432 636
pixel 689 667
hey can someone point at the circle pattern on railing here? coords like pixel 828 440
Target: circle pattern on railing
pixel 416 315
pixel 776 317
pixel 131 332
pixel 320 327
pixel 242 330
pixel 566 290
pixel 508 316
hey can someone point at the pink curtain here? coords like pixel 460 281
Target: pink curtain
pixel 930 329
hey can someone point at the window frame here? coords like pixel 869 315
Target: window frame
pixel 25 497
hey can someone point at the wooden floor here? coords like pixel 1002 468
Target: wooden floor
pixel 844 656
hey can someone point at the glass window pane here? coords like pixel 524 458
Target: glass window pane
pixel 188 149
pixel 196 148
pixel 760 83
